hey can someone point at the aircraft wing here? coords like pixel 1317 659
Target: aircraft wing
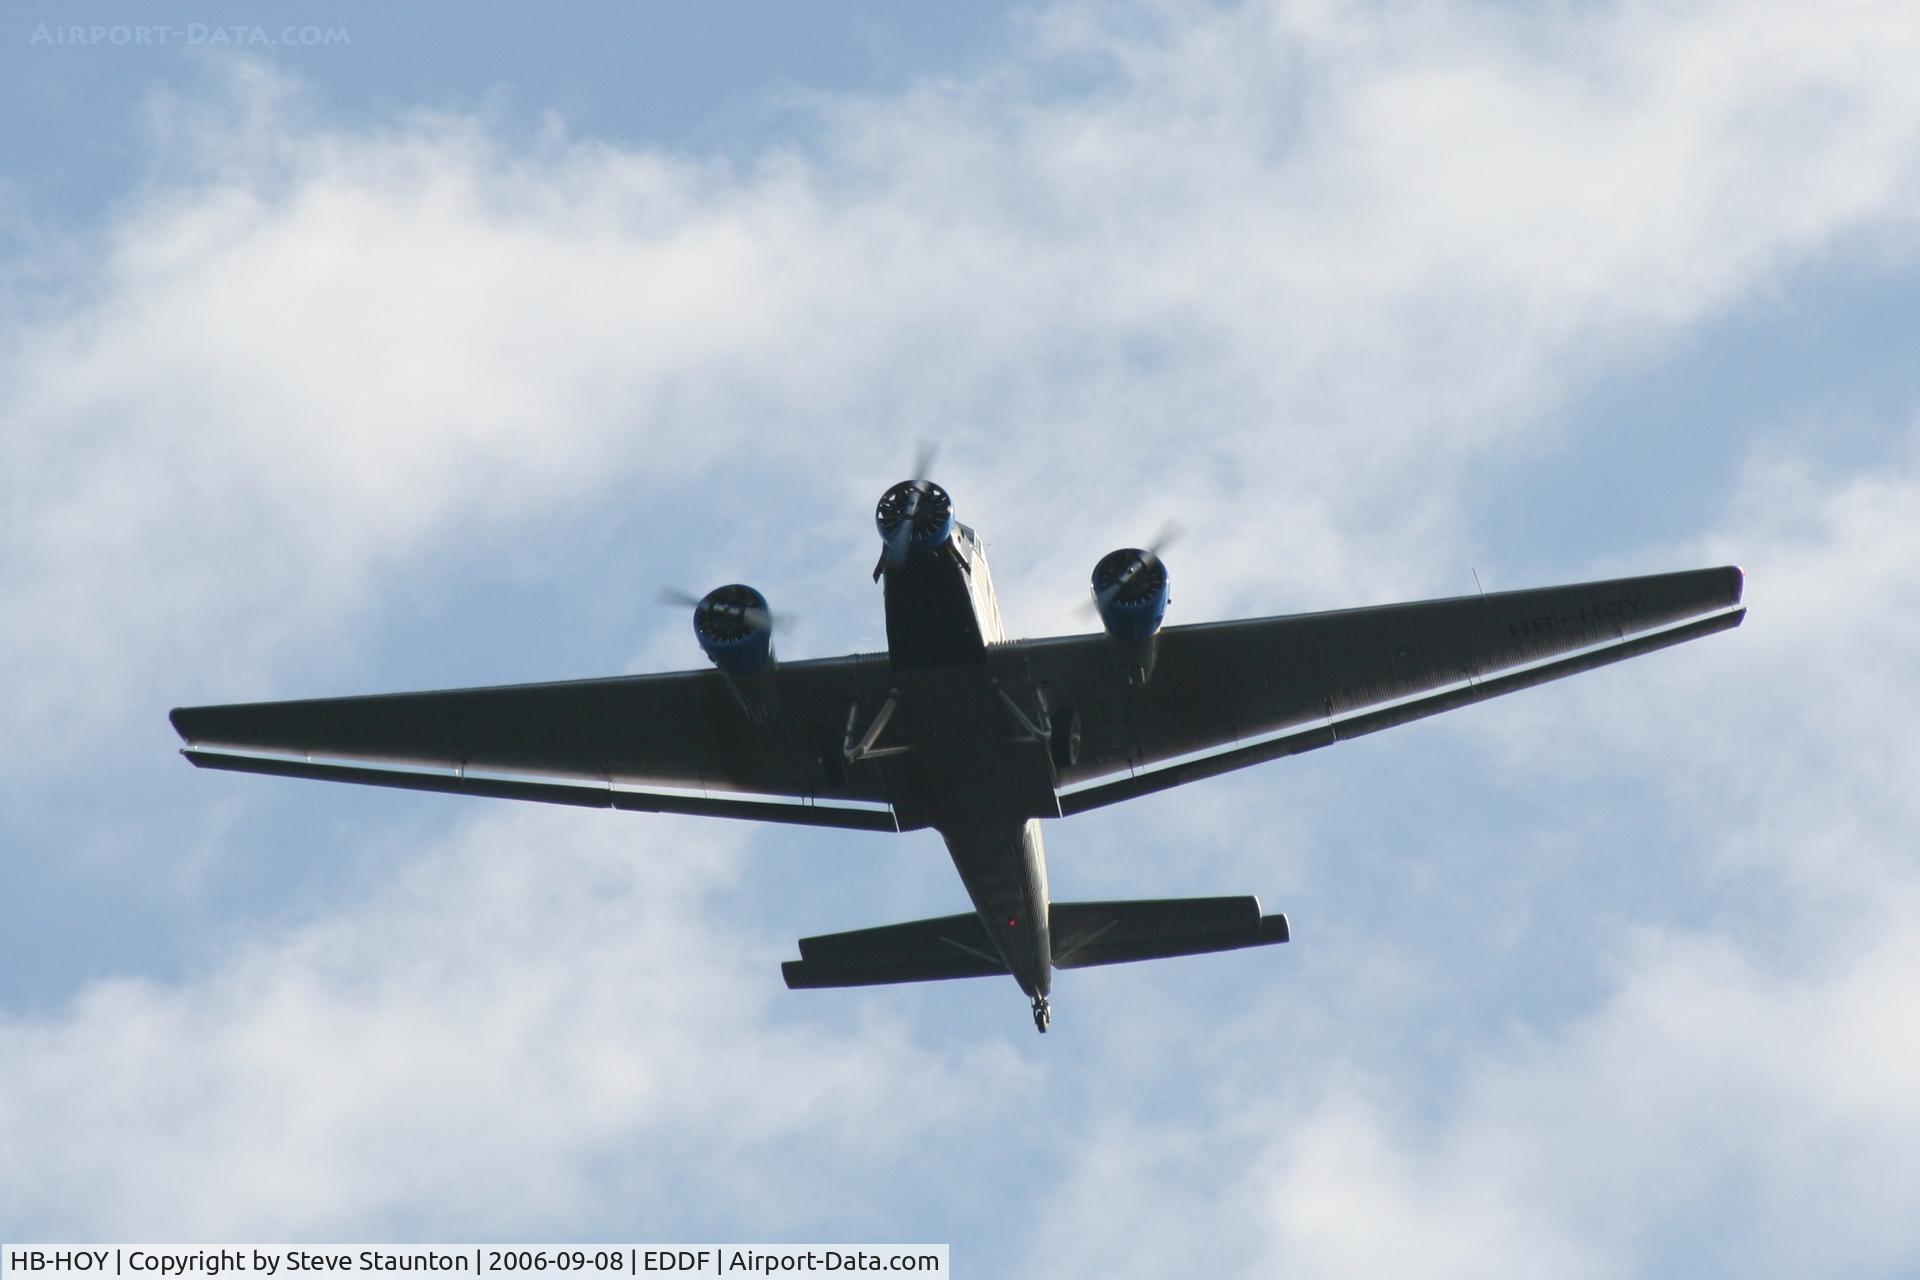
pixel 680 729
pixel 1216 686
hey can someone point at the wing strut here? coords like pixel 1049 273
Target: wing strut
pixel 1291 744
pixel 806 815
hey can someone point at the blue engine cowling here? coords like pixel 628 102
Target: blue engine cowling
pixel 914 516
pixel 1130 590
pixel 735 629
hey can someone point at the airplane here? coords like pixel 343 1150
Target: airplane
pixel 980 737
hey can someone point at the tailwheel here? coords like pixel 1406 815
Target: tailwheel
pixel 1042 1014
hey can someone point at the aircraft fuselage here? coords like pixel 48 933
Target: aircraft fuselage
pixel 974 774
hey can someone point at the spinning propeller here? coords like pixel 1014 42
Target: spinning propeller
pixel 725 605
pixel 1110 585
pixel 913 510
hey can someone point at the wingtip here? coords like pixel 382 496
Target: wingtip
pixel 1739 582
pixel 173 718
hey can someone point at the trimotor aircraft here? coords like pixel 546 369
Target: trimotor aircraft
pixel 958 728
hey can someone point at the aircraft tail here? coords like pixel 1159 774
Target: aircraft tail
pixel 1084 934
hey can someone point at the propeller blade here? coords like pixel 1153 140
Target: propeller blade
pixel 903 532
pixel 923 462
pixel 1170 532
pixel 753 615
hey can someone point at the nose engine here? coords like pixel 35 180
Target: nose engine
pixel 913 516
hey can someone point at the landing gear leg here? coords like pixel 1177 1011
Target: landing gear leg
pixel 1042 1014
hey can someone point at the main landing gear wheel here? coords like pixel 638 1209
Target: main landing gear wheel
pixel 1042 1014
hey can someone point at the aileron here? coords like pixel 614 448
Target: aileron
pixel 845 817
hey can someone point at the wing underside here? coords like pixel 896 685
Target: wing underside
pixel 1220 698
pixel 1227 686
pixel 680 730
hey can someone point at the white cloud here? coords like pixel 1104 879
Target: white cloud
pixel 1743 1088
pixel 1767 1116
pixel 1789 747
pixel 539 1025
pixel 1308 261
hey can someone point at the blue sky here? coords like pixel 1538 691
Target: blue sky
pixel 428 359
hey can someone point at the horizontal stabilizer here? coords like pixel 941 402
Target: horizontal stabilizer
pixel 919 951
pixel 1090 933
pixel 1084 933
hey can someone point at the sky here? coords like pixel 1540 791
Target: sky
pixel 426 357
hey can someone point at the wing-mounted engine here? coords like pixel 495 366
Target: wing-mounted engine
pixel 1130 590
pixel 735 630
